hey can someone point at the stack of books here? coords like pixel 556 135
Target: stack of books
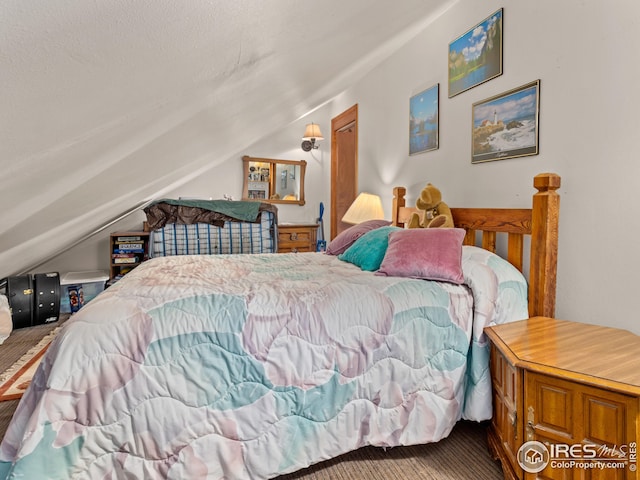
pixel 128 250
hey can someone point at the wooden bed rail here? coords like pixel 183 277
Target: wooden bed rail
pixel 540 222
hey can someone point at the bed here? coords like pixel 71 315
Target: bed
pixel 252 366
pixel 211 227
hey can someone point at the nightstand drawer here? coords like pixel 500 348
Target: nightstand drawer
pixel 571 387
pixel 297 238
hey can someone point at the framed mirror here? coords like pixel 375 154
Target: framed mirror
pixel 273 181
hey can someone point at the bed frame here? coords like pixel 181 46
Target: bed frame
pixel 540 222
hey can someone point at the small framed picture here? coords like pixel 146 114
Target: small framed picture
pixel 423 121
pixel 476 55
pixel 506 125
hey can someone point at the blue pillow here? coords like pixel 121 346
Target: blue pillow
pixel 368 251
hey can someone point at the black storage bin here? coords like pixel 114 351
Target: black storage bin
pixel 46 298
pixel 33 299
pixel 20 296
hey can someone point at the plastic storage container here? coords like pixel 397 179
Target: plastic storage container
pixel 78 288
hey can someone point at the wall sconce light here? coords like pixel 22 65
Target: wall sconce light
pixel 311 135
pixel 365 207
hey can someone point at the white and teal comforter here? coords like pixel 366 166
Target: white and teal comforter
pixel 250 366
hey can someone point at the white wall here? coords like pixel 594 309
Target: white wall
pixel 225 178
pixel 588 114
pixel 585 54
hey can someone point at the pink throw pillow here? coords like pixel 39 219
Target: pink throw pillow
pixel 346 238
pixel 426 253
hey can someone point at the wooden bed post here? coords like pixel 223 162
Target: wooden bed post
pixel 544 235
pixel 398 202
pixel 540 221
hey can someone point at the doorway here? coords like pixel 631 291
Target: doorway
pixel 344 166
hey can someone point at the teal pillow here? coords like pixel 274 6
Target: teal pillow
pixel 368 251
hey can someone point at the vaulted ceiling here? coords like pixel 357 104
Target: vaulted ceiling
pixel 105 104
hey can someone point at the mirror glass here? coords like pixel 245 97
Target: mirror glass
pixel 274 181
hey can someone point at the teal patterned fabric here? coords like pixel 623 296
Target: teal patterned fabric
pixel 368 251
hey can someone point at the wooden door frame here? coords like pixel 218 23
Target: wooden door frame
pixel 337 123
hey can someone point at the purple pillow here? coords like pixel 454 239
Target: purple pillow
pixel 426 253
pixel 346 238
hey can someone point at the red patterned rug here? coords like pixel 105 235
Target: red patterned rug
pixel 15 380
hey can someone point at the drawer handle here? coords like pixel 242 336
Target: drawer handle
pixel 513 419
pixel 294 236
pixel 294 250
pixel 530 421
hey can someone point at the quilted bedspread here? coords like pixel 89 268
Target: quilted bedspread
pixel 250 366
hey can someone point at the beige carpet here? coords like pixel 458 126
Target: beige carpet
pixel 461 456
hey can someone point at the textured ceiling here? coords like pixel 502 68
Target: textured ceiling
pixel 90 89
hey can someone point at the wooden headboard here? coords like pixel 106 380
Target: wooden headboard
pixel 540 222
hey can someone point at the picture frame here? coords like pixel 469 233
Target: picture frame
pixel 475 56
pixel 424 111
pixel 506 125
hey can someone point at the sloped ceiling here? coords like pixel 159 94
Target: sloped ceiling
pixel 105 104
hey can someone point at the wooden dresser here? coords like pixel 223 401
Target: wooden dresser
pixel 573 387
pixel 297 237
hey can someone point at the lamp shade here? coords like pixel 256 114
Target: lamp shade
pixel 365 207
pixel 312 131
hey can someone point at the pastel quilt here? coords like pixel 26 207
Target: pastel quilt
pixel 250 366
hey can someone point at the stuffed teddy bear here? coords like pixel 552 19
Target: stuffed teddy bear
pixel 436 212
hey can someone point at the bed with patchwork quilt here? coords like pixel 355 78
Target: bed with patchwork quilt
pixel 250 366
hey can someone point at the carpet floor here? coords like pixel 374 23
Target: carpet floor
pixel 462 455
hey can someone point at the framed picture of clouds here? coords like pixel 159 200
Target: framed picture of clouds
pixel 476 56
pixel 423 120
pixel 506 125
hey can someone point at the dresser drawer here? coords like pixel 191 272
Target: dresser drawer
pixel 574 390
pixel 297 238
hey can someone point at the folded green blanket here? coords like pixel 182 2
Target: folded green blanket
pixel 246 211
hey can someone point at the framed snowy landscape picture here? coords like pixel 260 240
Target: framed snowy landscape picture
pixel 423 121
pixel 506 125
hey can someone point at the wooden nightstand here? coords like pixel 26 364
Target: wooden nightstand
pixel 565 383
pixel 297 237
